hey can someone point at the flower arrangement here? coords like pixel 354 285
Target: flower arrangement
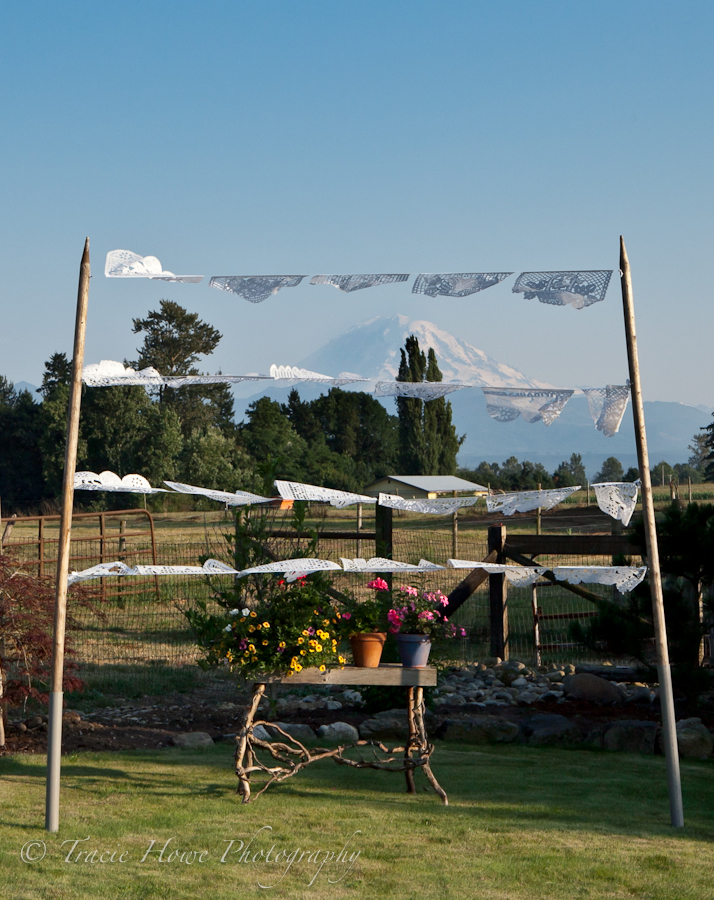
pixel 281 634
pixel 413 612
pixel 366 616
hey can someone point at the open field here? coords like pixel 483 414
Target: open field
pixel 524 824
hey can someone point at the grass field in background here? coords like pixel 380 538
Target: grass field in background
pixel 524 824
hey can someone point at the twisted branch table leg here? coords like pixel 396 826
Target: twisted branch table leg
pixel 424 745
pixel 244 750
pixel 412 741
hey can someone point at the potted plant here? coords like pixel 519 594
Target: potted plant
pixel 362 622
pixel 279 634
pixel 414 619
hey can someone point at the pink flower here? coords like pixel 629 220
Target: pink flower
pixel 379 584
pixel 408 589
pixel 346 615
pixel 463 632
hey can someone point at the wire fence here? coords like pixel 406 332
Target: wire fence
pixel 146 626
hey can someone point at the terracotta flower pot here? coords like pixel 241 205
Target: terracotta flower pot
pixel 414 650
pixel 367 648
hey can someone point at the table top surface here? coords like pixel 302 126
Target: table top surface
pixel 387 674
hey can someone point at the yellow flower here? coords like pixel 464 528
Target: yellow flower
pixel 258 626
pixel 246 653
pixel 319 648
pixel 301 640
pixel 341 660
pixel 298 667
pixel 281 644
pixel 253 615
pixel 302 653
pixel 251 647
pixel 290 674
pixel 306 633
pixel 322 668
pixel 266 624
pixel 254 659
pixel 265 643
pixel 325 621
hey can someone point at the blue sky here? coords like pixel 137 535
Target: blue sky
pixel 326 137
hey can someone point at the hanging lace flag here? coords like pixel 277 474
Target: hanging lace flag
pixel 457 285
pixel 239 498
pixel 617 498
pixel 356 282
pixel 108 481
pixel 624 578
pixel 177 381
pixel 524 501
pixel 379 564
pixel 254 288
pixel 295 490
pixel 519 576
pixel 579 289
pixel 422 390
pixel 301 566
pixel 438 506
pixel 607 406
pixel 125 264
pixel 108 372
pixel 294 375
pixel 116 569
pixel 534 405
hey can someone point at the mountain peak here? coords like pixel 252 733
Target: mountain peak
pixel 372 349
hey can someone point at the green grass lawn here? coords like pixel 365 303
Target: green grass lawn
pixel 523 823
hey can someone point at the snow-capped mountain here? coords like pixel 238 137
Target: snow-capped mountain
pixel 372 349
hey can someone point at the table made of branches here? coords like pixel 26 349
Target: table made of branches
pixel 285 756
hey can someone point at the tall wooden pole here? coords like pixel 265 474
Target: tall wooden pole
pixel 665 675
pixel 54 738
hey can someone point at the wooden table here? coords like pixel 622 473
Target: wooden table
pixel 289 756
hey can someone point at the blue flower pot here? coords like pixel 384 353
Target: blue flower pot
pixel 414 649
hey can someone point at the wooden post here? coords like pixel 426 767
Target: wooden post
pixel 665 675
pixel 588 493
pixel 498 595
pixel 54 738
pixel 689 485
pixel 538 521
pixel 383 536
pixel 359 528
pixel 536 624
pixel 455 533
pixel 41 546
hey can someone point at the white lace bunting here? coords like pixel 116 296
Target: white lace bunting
pixel 295 490
pixel 607 406
pixel 577 289
pixel 125 264
pixel 617 498
pixel 379 564
pixel 350 283
pixel 457 285
pixel 111 569
pixel 422 390
pixel 624 578
pixel 525 501
pixel 109 481
pixel 439 506
pixel 294 375
pixel 254 288
pixel 534 405
pixel 239 498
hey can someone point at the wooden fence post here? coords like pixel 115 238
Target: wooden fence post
pixel 383 536
pixel 498 595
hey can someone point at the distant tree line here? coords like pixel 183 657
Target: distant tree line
pixel 343 439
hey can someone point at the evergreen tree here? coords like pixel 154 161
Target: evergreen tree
pixel 428 443
pixel 174 340
pixel 21 483
pixel 611 470
pixel 569 474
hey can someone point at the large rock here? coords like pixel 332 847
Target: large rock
pixel 391 725
pixel 338 732
pixel 482 730
pixel 549 729
pixel 295 729
pixel 192 740
pixel 592 689
pixel 694 739
pixel 631 737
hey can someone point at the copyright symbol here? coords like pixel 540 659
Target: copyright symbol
pixel 33 851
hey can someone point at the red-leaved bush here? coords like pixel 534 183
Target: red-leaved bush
pixel 26 627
